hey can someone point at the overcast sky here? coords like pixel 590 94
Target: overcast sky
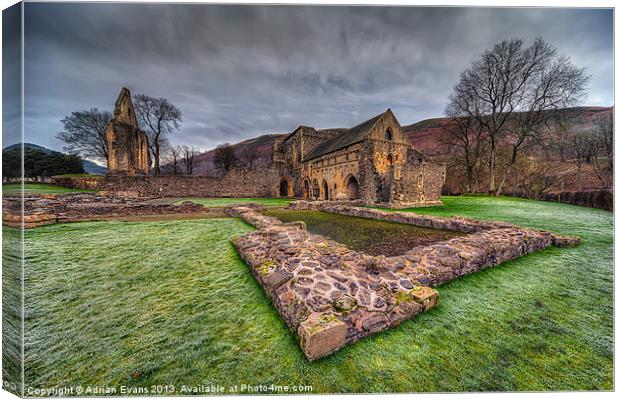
pixel 240 71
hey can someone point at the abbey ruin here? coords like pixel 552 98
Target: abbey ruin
pixel 128 151
pixel 372 163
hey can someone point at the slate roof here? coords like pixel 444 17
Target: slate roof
pixel 345 138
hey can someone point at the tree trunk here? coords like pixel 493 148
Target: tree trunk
pixel 509 170
pixel 156 156
pixel 492 168
pixel 504 177
pixel 470 179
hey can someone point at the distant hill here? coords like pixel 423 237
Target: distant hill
pixel 425 136
pixel 89 166
pixel 93 168
pixel 29 145
pixel 262 145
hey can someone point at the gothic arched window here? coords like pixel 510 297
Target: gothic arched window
pixel 388 134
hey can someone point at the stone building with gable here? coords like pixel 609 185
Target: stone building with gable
pixel 128 148
pixel 373 162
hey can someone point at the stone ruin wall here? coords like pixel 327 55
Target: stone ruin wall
pixel 411 184
pixel 43 209
pixel 311 138
pixel 335 169
pixel 331 296
pixel 378 164
pixel 128 153
pixel 286 160
pixel 127 145
pixel 375 169
pixel 79 182
pixel 414 185
pixel 329 167
pixel 236 183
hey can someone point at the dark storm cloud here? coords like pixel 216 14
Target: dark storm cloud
pixel 11 73
pixel 240 71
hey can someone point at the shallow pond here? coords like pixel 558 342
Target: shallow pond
pixel 374 237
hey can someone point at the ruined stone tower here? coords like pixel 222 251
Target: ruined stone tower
pixel 128 151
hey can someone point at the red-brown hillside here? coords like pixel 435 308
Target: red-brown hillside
pixel 426 135
pixel 262 145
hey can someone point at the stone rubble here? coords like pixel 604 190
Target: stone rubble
pixel 40 210
pixel 330 295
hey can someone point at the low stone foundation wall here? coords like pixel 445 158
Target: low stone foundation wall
pixel 321 288
pixel 40 210
pixel 330 295
pixel 80 182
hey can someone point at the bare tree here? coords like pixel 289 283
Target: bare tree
pixel 249 155
pixel 85 133
pixel 176 153
pixel 572 144
pixel 512 78
pixel 535 178
pixel 188 154
pixel 555 83
pixel 580 147
pixel 465 140
pixel 225 157
pixel 158 117
pixel 603 155
pixel 172 156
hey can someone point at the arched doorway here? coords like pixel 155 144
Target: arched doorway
pixel 306 188
pixel 325 191
pixel 352 188
pixel 284 188
pixel 390 160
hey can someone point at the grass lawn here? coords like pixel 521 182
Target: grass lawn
pixel 222 202
pixel 113 303
pixel 40 188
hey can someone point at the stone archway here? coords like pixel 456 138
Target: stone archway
pixel 285 188
pixel 316 191
pixel 352 188
pixel 325 191
pixel 306 188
